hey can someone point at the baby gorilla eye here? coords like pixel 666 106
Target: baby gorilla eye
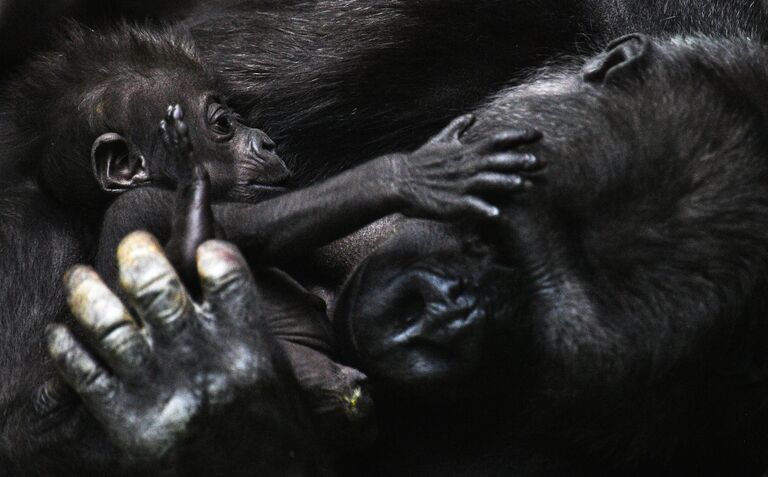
pixel 221 121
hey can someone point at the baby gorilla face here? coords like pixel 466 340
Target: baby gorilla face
pixel 242 161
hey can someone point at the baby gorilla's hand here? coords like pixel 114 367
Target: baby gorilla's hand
pixel 186 383
pixel 444 178
pixel 175 134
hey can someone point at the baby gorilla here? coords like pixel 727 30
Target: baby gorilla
pixel 89 165
pixel 79 128
pixel 435 181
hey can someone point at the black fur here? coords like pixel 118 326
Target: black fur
pixel 86 131
pixel 52 208
pixel 342 82
pixel 29 26
pixel 630 338
pixel 381 77
pixel 337 83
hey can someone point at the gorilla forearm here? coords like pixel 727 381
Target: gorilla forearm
pixel 298 222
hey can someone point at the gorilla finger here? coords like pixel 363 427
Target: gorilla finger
pixel 494 182
pixel 227 281
pixel 183 131
pixel 475 206
pixel 152 286
pixel 508 140
pixel 78 368
pixel 164 132
pixel 454 130
pixel 170 123
pixel 108 326
pixel 52 396
pixel 178 112
pixel 505 161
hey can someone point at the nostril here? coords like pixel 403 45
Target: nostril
pixel 268 144
pixel 438 289
pixel 261 143
pixel 409 306
pixel 454 289
pixel 257 146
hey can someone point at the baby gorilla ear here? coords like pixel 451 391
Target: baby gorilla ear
pixel 116 165
pixel 621 59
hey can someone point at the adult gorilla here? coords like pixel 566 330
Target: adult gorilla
pixel 383 74
pixel 342 82
pixel 336 83
pixel 611 322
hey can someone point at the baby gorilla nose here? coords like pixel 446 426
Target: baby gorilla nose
pixel 273 170
pixel 261 143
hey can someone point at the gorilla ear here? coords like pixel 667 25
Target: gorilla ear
pixel 621 58
pixel 116 165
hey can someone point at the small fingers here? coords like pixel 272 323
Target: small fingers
pixel 507 140
pixel 177 112
pixel 152 285
pixel 164 132
pixel 108 326
pixel 178 129
pixel 227 282
pixel 78 368
pixel 454 131
pixel 174 114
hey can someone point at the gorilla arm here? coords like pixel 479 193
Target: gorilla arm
pixel 440 180
pixel 236 411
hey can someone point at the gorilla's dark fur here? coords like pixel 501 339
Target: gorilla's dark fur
pixel 80 127
pixel 674 389
pixel 342 82
pixel 630 337
pixel 84 145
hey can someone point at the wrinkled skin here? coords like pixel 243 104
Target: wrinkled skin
pixel 611 320
pixel 149 387
pixel 428 118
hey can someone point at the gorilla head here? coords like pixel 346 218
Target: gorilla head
pixel 621 281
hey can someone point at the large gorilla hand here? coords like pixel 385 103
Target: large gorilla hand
pixel 189 379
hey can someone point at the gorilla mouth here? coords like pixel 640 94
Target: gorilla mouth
pixel 413 325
